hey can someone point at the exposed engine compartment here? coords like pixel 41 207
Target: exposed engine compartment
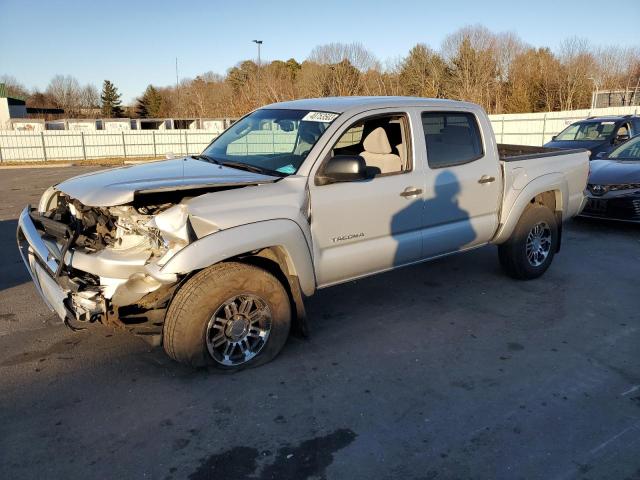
pixel 102 261
pixel 112 259
pixel 101 227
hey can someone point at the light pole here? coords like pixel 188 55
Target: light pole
pixel 594 97
pixel 258 43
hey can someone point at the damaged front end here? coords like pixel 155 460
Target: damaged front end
pixel 103 264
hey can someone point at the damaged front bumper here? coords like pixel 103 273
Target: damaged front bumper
pixel 86 287
pixel 44 259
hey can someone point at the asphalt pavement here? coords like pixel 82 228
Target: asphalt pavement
pixel 443 370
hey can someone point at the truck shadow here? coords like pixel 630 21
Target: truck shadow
pixel 445 226
pixel 12 271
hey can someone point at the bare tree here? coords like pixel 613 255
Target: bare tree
pixel 278 80
pixel 66 93
pixel 386 82
pixel 618 68
pixel 472 59
pixel 578 64
pixel 339 68
pixel 507 47
pixel 334 53
pixel 89 97
pixel 312 80
pixel 14 87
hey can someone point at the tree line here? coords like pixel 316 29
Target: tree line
pixel 65 92
pixel 497 70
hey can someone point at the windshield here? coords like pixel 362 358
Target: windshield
pixel 587 131
pixel 627 151
pixel 272 141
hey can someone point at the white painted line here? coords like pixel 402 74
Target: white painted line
pixel 617 435
pixel 631 390
pixel 35 165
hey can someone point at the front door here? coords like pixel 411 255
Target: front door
pixel 364 227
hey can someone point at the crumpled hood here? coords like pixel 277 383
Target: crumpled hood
pixel 118 186
pixel 612 172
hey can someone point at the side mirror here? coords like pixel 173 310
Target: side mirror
pixel 553 139
pixel 601 155
pixel 343 168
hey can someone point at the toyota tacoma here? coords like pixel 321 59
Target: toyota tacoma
pixel 212 255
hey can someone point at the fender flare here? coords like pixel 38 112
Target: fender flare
pixel 552 182
pixel 225 244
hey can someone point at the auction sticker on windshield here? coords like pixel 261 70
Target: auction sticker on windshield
pixel 324 117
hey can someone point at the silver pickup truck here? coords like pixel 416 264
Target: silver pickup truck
pixel 212 255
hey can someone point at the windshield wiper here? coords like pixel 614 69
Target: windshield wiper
pixel 206 158
pixel 251 168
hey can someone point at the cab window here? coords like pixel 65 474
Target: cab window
pixel 452 138
pixel 381 141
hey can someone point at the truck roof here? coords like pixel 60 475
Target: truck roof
pixel 344 104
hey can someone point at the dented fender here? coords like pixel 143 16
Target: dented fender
pixel 231 242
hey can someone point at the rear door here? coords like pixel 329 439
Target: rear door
pixel 463 181
pixel 364 227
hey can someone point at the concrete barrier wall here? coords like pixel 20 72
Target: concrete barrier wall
pixel 64 145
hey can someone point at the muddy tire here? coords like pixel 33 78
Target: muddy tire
pixel 533 243
pixel 230 316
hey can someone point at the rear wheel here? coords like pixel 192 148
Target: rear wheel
pixel 230 316
pixel 533 243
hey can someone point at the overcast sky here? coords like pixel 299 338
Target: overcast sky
pixel 134 43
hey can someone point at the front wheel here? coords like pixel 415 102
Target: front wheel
pixel 530 249
pixel 230 316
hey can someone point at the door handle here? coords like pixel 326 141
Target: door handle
pixel 486 179
pixel 411 192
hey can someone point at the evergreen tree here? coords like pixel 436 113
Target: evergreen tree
pixel 111 103
pixel 150 104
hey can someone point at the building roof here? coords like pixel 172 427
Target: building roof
pixel 4 93
pixel 344 104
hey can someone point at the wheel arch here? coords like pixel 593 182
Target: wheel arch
pixel 278 246
pixel 546 190
pixel 277 261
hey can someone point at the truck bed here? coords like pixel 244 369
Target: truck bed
pixel 514 153
pixel 564 171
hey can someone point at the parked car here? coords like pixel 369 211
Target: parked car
pixel 212 255
pixel 597 134
pixel 613 190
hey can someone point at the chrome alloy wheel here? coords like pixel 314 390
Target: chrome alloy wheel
pixel 538 244
pixel 238 329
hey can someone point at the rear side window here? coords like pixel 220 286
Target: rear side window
pixel 452 138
